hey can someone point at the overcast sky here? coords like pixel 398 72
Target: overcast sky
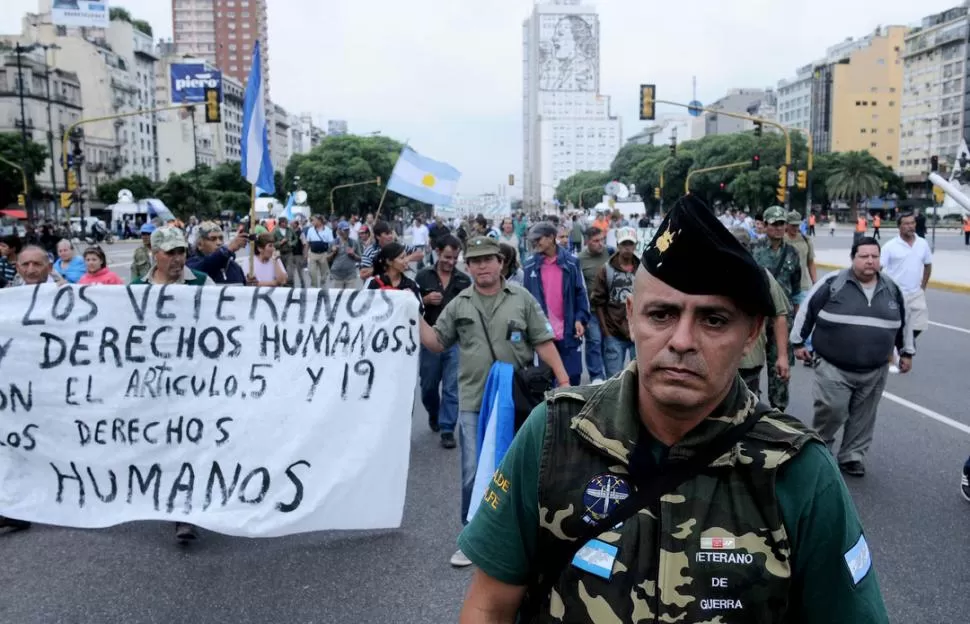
pixel 448 74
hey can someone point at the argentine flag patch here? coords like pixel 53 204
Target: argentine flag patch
pixel 858 560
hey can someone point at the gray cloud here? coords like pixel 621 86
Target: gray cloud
pixel 448 75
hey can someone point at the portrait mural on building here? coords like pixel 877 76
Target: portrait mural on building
pixel 568 53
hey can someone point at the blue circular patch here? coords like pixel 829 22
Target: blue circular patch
pixel 602 495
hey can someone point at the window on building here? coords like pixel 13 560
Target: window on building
pixel 873 144
pixel 233 68
pixel 862 130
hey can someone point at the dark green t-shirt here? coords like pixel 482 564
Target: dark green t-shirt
pixel 817 512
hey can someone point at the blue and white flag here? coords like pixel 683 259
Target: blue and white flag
pixel 290 202
pixel 423 179
pixel 496 429
pixel 256 165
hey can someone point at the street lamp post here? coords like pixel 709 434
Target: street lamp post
pixel 28 205
pixel 50 121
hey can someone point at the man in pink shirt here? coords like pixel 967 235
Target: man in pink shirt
pixel 555 279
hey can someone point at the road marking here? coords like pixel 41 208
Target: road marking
pixel 959 426
pixel 953 327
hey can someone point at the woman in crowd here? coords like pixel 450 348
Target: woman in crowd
pixel 511 270
pixel 389 268
pixel 97 271
pixel 507 235
pixel 68 265
pixel 267 267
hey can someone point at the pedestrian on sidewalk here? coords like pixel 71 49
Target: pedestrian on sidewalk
pixel 494 315
pixel 439 285
pixel 811 224
pixel 857 315
pixel 966 230
pixel 907 259
pixel 860 226
pixel 876 224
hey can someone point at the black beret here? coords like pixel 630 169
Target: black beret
pixel 694 253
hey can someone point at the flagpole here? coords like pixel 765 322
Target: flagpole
pixel 252 226
pixel 377 216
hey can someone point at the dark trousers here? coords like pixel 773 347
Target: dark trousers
pixel 572 360
pixel 966 238
pixel 752 379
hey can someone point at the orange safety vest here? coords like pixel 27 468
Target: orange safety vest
pixel 966 224
pixel 876 221
pixel 860 224
pixel 602 224
pixel 811 220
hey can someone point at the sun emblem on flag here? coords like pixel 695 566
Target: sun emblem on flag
pixel 428 180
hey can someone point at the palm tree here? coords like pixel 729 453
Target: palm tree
pixel 854 176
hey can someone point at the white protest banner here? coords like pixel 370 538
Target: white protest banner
pixel 248 411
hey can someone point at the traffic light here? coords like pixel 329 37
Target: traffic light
pixel 21 200
pixel 783 177
pixel 780 195
pixel 673 147
pixel 934 163
pixel 802 179
pixel 648 94
pixel 213 113
pixel 71 180
pixel 656 193
pixel 757 128
pixel 755 161
pixel 722 186
pixel 511 179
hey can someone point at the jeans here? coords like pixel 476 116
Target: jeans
pixel 294 271
pixel 468 442
pixel 614 354
pixel 440 369
pixel 572 360
pixel 594 349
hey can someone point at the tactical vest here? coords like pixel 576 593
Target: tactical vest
pixel 718 549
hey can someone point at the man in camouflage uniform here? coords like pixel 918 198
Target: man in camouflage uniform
pixel 141 260
pixel 780 258
pixel 758 527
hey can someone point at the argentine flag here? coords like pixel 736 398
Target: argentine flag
pixel 496 429
pixel 256 165
pixel 423 179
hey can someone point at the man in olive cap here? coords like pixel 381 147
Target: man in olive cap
pixel 668 493
pixel 517 330
pixel 781 259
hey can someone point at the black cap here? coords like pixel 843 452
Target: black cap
pixel 694 253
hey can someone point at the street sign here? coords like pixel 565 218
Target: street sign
pixel 70 161
pixel 694 108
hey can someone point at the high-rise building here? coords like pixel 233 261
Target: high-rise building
pixel 741 101
pixel 857 96
pixel 223 33
pixel 935 115
pixel 795 99
pixel 567 123
pixel 336 127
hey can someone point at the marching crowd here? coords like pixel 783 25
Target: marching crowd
pixel 554 298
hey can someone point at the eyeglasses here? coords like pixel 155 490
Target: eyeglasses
pixel 215 239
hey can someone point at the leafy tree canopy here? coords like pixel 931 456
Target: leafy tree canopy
pixel 11 179
pixel 585 183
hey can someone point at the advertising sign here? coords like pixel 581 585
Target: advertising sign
pixel 189 82
pixel 79 13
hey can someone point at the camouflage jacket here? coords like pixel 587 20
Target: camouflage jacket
pixel 718 552
pixel 141 261
pixel 784 265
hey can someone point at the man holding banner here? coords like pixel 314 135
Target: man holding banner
pixel 492 316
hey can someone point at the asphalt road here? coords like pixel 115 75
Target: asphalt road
pixel 950 240
pixel 915 520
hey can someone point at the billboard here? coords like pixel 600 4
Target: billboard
pixel 189 82
pixel 79 13
pixel 569 53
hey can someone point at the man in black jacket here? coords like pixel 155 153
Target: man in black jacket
pixel 857 316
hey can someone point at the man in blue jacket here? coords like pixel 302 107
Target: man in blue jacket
pixel 214 257
pixel 555 279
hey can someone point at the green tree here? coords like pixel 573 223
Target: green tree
pixel 569 190
pixel 143 26
pixel 227 177
pixel 11 179
pixel 344 160
pixel 140 186
pixel 119 13
pixel 855 176
pixel 186 194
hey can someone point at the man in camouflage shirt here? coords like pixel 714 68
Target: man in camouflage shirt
pixel 774 253
pixel 761 530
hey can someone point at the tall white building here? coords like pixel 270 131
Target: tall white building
pixel 567 124
pixel 795 99
pixel 935 112
pixel 139 153
pixel 667 127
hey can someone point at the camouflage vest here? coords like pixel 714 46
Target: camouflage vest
pixel 718 552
